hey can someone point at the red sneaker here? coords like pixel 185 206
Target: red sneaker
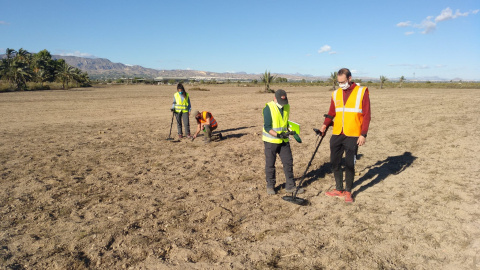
pixel 348 197
pixel 335 193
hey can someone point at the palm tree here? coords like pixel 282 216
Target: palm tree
pixel 333 79
pixel 81 78
pixel 65 72
pixel 402 79
pixel 267 79
pixel 43 67
pixel 24 56
pixel 15 68
pixel 383 79
pixel 10 53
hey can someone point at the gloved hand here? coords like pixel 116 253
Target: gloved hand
pixel 172 109
pixel 282 136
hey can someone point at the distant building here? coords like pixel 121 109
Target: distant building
pixel 169 79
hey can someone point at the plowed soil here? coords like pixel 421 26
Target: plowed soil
pixel 89 181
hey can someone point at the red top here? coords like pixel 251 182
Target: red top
pixel 365 108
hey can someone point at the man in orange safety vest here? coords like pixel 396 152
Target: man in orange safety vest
pixel 207 123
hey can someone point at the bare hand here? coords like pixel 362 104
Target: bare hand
pixel 322 129
pixel 361 140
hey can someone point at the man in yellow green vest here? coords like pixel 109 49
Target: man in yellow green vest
pixel 350 106
pixel 275 138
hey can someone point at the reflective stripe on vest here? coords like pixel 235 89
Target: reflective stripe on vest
pixel 203 120
pixel 279 123
pixel 181 106
pixel 349 113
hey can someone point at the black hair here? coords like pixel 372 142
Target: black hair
pixel 345 71
pixel 180 86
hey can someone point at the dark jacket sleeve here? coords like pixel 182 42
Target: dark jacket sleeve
pixel 267 119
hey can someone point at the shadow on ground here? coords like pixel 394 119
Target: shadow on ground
pixel 234 129
pixel 316 174
pixel 382 169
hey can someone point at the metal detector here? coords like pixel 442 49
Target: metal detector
pixel 170 133
pixel 294 199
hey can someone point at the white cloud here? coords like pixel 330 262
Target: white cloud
pixel 429 24
pixel 409 33
pixel 332 53
pixel 324 48
pixel 447 14
pixel 404 24
pixel 4 23
pixel 76 53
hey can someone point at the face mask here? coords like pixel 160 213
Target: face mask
pixel 344 86
pixel 181 92
pixel 278 105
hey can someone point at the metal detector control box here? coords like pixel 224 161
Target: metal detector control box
pixel 294 126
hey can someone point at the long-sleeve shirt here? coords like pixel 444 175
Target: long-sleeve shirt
pixel 267 118
pixel 365 108
pixel 182 97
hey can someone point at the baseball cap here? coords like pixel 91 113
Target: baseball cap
pixel 281 97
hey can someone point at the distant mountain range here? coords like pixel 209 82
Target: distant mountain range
pixel 101 68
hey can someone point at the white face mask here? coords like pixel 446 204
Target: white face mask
pixel 278 105
pixel 344 86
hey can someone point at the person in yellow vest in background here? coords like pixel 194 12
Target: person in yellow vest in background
pixel 275 127
pixel 350 106
pixel 208 124
pixel 181 107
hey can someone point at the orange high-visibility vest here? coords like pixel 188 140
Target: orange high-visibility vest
pixel 349 117
pixel 203 120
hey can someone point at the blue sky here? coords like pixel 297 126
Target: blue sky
pixel 372 38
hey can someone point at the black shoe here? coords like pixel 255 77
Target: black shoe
pixel 220 136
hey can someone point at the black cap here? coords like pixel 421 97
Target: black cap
pixel 281 97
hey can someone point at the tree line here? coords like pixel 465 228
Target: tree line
pixel 20 67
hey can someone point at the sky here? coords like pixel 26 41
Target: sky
pixel 411 38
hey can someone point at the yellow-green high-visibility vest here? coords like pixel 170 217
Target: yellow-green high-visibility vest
pixel 279 123
pixel 181 106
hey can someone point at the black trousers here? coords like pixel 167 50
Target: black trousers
pixel 340 144
pixel 285 153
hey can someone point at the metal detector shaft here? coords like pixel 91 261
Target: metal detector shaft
pixel 310 163
pixel 171 124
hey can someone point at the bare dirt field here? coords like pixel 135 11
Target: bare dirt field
pixel 89 181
